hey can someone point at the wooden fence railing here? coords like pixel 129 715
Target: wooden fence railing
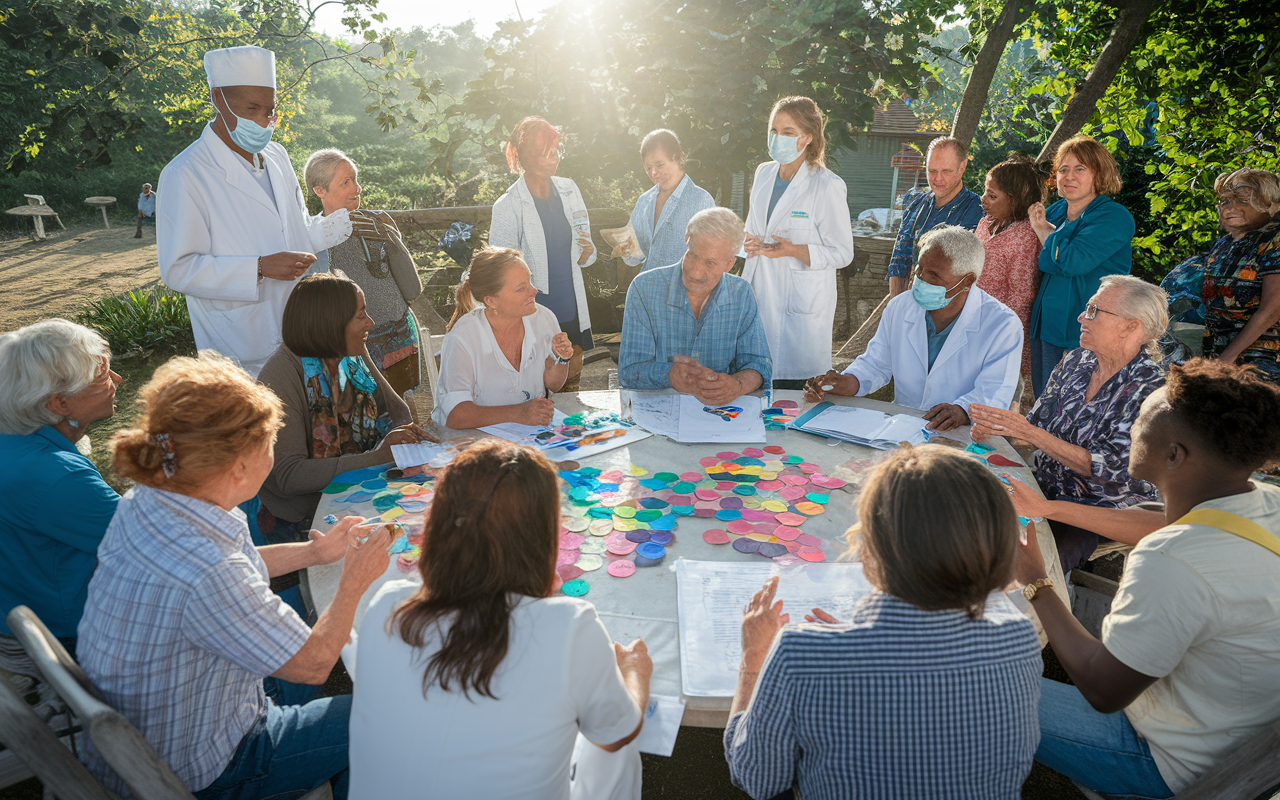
pixel 439 219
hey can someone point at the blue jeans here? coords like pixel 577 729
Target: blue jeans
pixel 1044 357
pixel 286 755
pixel 1101 751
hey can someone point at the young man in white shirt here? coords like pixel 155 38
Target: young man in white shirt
pixel 1191 649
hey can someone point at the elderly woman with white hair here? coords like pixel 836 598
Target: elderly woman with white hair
pixel 57 382
pixel 1242 273
pixel 947 345
pixel 1082 422
pixel 375 257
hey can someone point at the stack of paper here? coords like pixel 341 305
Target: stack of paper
pixel 861 426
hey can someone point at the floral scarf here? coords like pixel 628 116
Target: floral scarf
pixel 350 420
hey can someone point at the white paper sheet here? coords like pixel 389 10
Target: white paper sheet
pixel 525 434
pixel 423 453
pixel 699 425
pixel 522 434
pixel 661 725
pixel 712 594
pixel 866 426
pixel 657 412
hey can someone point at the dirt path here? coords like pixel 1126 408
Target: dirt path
pixel 56 277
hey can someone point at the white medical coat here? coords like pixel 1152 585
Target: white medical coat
pixel 214 223
pixel 797 302
pixel 516 224
pixel 978 363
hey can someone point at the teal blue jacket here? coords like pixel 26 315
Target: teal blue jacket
pixel 1073 261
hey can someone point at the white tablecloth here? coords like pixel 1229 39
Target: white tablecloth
pixel 644 605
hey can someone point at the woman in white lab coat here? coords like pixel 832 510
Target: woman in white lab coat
pixel 544 217
pixel 798 235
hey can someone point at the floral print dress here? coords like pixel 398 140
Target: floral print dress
pixel 1101 426
pixel 1232 291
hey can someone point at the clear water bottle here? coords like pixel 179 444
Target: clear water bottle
pixel 624 396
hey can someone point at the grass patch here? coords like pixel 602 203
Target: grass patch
pixel 141 321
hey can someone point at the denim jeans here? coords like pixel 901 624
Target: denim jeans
pixel 1044 357
pixel 1101 751
pixel 286 755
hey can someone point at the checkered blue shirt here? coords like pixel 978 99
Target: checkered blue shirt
pixel 659 324
pixel 922 216
pixel 899 703
pixel 179 630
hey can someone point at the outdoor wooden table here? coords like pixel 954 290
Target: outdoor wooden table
pixel 644 605
pixel 37 213
pixel 101 204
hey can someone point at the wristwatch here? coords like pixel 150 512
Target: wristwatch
pixel 556 357
pixel 1032 589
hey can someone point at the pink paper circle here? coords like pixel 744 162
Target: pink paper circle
pixel 727 455
pixel 622 568
pixel 793 480
pixel 706 494
pixel 691 477
pixel 567 557
pixel 715 536
pixel 769 486
pixel 570 540
pixel 809 540
pixel 739 527
pixel 726 486
pixel 787 518
pixel 752 452
pixel 708 461
pixel 812 554
pixel 786 533
pixel 809 469
pixel 791 493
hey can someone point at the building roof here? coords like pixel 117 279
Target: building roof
pixel 897 119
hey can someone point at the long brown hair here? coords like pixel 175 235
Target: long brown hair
pixel 491 537
pixel 936 529
pixel 485 276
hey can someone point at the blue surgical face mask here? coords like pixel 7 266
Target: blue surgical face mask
pixel 248 135
pixel 783 148
pixel 930 297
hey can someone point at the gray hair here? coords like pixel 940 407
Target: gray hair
pixel 717 223
pixel 1144 302
pixel 42 360
pixel 321 165
pixel 960 245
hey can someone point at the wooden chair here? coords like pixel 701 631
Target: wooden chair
pixel 121 745
pixel 38 747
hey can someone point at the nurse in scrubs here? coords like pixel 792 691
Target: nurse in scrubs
pixel 798 235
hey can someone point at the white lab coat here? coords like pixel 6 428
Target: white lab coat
pixel 214 223
pixel 978 363
pixel 516 223
pixel 797 302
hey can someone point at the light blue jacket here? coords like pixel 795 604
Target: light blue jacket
pixel 663 244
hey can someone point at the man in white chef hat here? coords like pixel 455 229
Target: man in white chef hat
pixel 233 234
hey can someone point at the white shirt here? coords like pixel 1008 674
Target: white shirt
pixel 215 220
pixel 1199 609
pixel 472 366
pixel 560 676
pixel 515 223
pixel 979 362
pixel 798 302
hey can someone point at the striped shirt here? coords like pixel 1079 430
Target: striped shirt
pixel 179 630
pixel 922 216
pixel 897 703
pixel 663 243
pixel 658 324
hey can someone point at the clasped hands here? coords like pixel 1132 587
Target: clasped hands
pixel 710 387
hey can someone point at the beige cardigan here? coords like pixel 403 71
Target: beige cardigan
pixel 292 491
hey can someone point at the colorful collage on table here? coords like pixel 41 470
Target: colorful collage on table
pixel 621 522
pixel 402 502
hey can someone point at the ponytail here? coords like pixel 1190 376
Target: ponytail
pixel 484 278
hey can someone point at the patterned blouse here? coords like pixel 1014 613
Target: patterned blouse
pixel 1011 272
pixel 1100 426
pixel 1232 291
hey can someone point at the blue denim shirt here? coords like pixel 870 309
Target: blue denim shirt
pixel 921 216
pixel 663 243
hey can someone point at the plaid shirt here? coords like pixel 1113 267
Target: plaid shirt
pixel 659 324
pixel 664 244
pixel 179 630
pixel 921 216
pixel 899 702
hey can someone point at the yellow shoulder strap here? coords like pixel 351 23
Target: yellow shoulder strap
pixel 1232 523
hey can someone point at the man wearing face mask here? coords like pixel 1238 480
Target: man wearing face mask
pixel 233 233
pixel 945 344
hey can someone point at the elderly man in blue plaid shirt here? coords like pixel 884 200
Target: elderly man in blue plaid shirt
pixel 947 203
pixel 693 328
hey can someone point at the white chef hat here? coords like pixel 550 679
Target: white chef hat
pixel 240 66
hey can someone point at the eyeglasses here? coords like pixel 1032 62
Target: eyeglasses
pixel 1091 311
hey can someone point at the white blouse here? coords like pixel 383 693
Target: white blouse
pixel 472 366
pixel 559 678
